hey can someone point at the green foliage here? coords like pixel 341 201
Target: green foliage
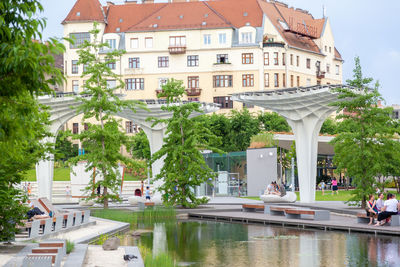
pixel 273 122
pixel 148 216
pixel 64 149
pixel 329 127
pixel 366 134
pixel 70 246
pixel 162 259
pixel 263 140
pixel 184 165
pixel 243 127
pixel 140 147
pixel 104 138
pixel 26 70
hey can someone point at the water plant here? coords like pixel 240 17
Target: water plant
pixel 148 216
pixel 70 246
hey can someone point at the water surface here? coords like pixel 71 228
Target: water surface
pixel 204 243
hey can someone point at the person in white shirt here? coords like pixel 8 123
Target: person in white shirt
pixel 391 206
pixel 380 202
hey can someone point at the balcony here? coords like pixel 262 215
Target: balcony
pixel 274 44
pixel 175 50
pixel 320 74
pixel 193 91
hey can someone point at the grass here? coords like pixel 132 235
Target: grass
pixel 62 174
pixel 148 216
pixel 344 195
pixel 162 259
pixel 70 246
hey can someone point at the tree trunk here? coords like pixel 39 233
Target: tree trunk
pixel 363 203
pixel 105 198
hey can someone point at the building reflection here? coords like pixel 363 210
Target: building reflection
pixel 225 244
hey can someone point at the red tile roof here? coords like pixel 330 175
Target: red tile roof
pixel 296 34
pixel 239 12
pixel 181 16
pixel 85 10
pixel 300 30
pixel 338 56
pixel 128 15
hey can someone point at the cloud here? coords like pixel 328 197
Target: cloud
pixel 394 54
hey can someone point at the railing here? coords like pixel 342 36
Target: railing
pixel 273 44
pixel 193 91
pixel 173 50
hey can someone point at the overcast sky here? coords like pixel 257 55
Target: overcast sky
pixel 365 28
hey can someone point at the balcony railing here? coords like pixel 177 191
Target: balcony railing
pixel 320 74
pixel 274 44
pixel 193 91
pixel 173 50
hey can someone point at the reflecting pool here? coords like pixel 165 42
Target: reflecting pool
pixel 205 243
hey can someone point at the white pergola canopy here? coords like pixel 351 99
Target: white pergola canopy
pixel 305 109
pixel 61 108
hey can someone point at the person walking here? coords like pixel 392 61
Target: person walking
pixel 68 193
pixel 334 186
pixel 148 193
pixel 29 189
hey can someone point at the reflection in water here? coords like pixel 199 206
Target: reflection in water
pixel 205 243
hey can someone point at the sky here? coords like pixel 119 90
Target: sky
pixel 369 29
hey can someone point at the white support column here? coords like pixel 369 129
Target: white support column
pixel 156 141
pixel 306 133
pixel 44 176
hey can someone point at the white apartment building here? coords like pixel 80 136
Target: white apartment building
pixel 216 47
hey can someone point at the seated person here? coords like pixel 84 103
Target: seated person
pixel 35 213
pixel 282 190
pixel 372 210
pixel 270 189
pixel 391 206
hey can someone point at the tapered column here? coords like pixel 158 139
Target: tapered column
pixel 306 133
pixel 156 141
pixel 44 174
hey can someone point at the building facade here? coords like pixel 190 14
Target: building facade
pixel 215 47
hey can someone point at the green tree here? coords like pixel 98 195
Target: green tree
pixel 273 122
pixel 140 147
pixel 64 148
pixel 329 127
pixel 184 166
pixel 220 125
pixel 25 65
pixel 243 127
pixel 104 138
pixel 367 128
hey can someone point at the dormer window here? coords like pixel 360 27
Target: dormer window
pixel 111 43
pixel 247 37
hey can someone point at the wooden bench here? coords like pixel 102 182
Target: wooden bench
pixel 319 215
pixel 252 207
pixel 277 210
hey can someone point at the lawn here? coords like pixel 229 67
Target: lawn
pixel 343 196
pixel 62 174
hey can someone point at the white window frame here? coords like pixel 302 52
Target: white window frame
pixel 134 43
pixel 247 37
pixel 222 38
pixel 206 39
pixel 112 43
pixel 148 42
